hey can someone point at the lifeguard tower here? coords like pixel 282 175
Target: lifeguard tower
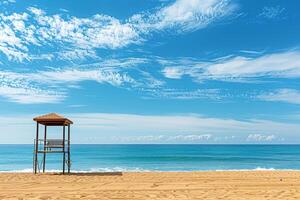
pixel 45 146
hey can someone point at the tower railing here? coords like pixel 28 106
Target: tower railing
pixel 50 146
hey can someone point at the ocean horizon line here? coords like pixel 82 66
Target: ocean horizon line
pixel 283 144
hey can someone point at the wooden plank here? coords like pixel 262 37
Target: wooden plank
pixel 48 151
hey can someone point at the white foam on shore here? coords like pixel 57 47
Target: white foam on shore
pixel 255 169
pixel 92 170
pixel 120 169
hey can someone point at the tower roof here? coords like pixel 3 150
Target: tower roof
pixel 53 119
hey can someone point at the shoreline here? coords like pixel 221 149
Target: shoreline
pixel 270 184
pixel 51 171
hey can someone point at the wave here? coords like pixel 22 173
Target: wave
pixel 120 169
pixel 92 170
pixel 256 169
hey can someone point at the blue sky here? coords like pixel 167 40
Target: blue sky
pixel 168 71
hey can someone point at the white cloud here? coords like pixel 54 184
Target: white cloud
pixel 20 31
pixel 30 95
pixel 99 31
pixel 11 44
pixel 124 62
pixel 283 65
pixel 130 128
pixel 109 75
pixel 184 15
pixel 53 84
pixel 252 52
pixel 214 94
pixel 77 54
pixel 36 11
pixel 128 73
pixel 286 64
pixel 173 72
pixel 30 88
pixel 190 138
pixel 77 105
pixel 165 139
pixel 190 124
pixel 194 14
pixel 5 2
pixel 260 138
pixel 272 12
pixel 17 88
pixel 282 95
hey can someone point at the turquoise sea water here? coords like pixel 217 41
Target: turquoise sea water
pixel 158 157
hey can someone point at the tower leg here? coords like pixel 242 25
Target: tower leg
pixel 36 148
pixel 64 153
pixel 44 158
pixel 69 155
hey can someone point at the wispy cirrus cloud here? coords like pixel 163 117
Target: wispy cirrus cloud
pixel 30 95
pixel 129 73
pixel 238 68
pixel 183 94
pixel 109 76
pixel 17 88
pixel 282 95
pixel 52 85
pixel 78 38
pixel 43 86
pixel 272 12
pixel 98 31
pixel 260 138
pixel 184 15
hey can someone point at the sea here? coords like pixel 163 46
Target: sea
pixel 156 157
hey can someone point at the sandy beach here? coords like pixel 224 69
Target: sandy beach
pixel 153 185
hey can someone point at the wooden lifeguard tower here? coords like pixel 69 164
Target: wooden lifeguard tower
pixel 44 146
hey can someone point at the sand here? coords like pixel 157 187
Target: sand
pixel 153 185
